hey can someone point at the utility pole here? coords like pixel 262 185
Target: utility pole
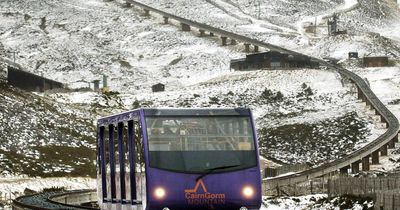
pixel 44 81
pixel 315 27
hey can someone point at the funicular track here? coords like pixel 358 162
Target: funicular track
pixel 52 200
pixel 363 155
pixel 380 144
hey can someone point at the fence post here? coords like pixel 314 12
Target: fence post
pixel 311 186
pixel 393 203
pixel 365 186
pixel 374 189
pixel 379 202
pixel 278 190
pixel 329 188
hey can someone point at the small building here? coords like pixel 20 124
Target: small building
pixel 159 87
pixel 96 85
pixel 379 61
pixel 353 55
pixel 272 60
pixel 30 82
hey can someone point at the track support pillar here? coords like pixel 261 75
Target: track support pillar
pixel 384 150
pixel 247 47
pixel 345 170
pixel 383 120
pixel 233 42
pixel 355 167
pixel 185 27
pixel 211 34
pixel 375 157
pixel 368 103
pixel 359 93
pixel 255 48
pixel 202 32
pixel 396 138
pixel 146 12
pixel 165 20
pixel 365 163
pixel 391 144
pixel 224 38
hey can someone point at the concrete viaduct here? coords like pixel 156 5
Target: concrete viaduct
pixel 187 25
pixel 365 156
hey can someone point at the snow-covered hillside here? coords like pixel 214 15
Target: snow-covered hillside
pixel 43 138
pixel 76 42
pixel 302 115
pixel 280 23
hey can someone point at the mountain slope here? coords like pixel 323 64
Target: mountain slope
pixel 42 138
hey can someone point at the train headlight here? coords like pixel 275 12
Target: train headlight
pixel 247 192
pixel 159 193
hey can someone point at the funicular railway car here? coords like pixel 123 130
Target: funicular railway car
pixel 178 159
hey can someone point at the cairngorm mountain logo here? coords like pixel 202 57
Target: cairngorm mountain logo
pixel 196 196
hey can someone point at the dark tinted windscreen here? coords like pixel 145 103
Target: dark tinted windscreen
pixel 196 144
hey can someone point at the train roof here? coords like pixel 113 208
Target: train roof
pixel 173 112
pixel 197 112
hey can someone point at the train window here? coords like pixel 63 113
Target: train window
pixel 194 144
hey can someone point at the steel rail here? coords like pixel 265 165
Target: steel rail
pixel 371 98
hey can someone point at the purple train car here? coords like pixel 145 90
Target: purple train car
pixel 178 159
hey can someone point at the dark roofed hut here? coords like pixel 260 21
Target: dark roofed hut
pixel 159 87
pixel 379 61
pixel 272 60
pixel 30 82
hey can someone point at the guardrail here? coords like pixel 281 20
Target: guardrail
pixel 364 93
pixel 74 199
pixel 49 200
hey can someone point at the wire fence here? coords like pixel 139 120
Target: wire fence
pixel 316 185
pixel 384 190
pixel 6 198
pixel 271 172
pixel 362 186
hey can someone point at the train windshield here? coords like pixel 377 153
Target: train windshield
pixel 198 144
